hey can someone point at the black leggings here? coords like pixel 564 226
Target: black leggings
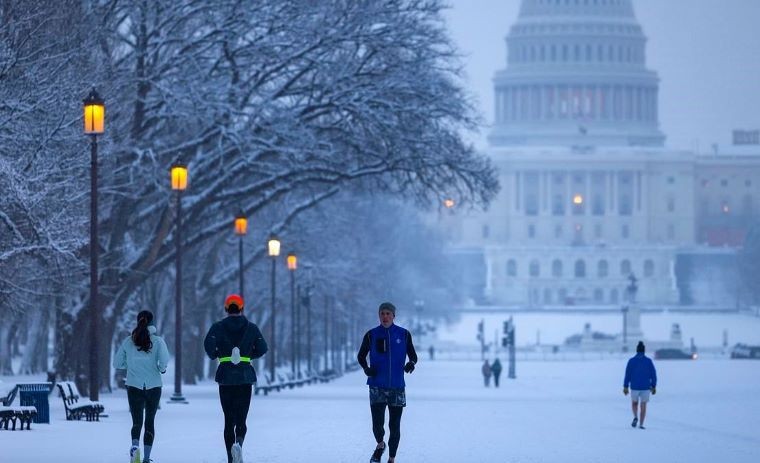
pixel 235 400
pixel 143 400
pixel 394 424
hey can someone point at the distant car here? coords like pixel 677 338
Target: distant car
pixel 667 354
pixel 743 351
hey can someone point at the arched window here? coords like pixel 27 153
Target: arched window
pixel 580 268
pixel 602 269
pixel 511 268
pixel 562 296
pixel 598 296
pixel 625 268
pixel 648 268
pixel 557 268
pixel 535 269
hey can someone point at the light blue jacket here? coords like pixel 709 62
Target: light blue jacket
pixel 144 369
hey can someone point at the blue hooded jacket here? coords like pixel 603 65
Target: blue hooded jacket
pixel 388 349
pixel 640 373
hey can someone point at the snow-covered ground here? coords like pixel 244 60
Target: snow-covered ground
pixel 704 411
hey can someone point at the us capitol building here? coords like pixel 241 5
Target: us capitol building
pixel 590 195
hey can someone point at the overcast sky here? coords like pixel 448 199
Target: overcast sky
pixel 706 52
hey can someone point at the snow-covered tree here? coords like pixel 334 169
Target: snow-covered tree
pixel 275 109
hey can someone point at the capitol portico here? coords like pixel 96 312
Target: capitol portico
pixel 589 194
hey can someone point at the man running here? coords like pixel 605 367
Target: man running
pixel 642 377
pixel 388 346
pixel 235 341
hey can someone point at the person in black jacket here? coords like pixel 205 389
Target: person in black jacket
pixel 235 342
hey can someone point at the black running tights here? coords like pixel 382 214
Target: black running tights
pixel 236 400
pixel 143 400
pixel 394 425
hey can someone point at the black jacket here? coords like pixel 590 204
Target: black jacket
pixel 235 331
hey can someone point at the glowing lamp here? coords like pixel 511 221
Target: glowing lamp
pixel 449 203
pixel 179 176
pixel 94 114
pixel 292 261
pixel 578 199
pixel 274 246
pixel 241 224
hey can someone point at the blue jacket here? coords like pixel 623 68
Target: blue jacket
pixel 640 373
pixel 388 349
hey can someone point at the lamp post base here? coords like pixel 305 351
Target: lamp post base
pixel 177 399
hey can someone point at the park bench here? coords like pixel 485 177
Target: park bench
pixel 280 383
pixel 10 413
pixel 76 407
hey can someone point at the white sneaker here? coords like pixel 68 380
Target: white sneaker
pixel 237 453
pixel 134 454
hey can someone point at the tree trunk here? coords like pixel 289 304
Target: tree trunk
pixel 34 358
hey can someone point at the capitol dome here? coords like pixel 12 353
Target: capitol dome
pixel 576 76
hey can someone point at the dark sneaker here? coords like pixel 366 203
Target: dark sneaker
pixel 634 422
pixel 377 454
pixel 642 427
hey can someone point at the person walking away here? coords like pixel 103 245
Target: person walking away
pixel 235 341
pixel 145 357
pixel 641 376
pixel 496 369
pixel 486 370
pixel 388 346
pixel 431 350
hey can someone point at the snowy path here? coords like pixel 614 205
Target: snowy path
pixel 705 411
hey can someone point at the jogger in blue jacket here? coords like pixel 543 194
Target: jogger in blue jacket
pixel 388 346
pixel 641 376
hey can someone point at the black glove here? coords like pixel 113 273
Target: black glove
pixel 370 371
pixel 409 367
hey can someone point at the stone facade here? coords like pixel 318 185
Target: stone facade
pixel 589 195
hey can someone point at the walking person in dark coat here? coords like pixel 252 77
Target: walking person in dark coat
pixel 144 355
pixel 496 369
pixel 388 346
pixel 642 378
pixel 486 371
pixel 235 341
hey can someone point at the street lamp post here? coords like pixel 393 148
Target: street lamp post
pixel 94 125
pixel 241 228
pixel 292 266
pixel 273 247
pixel 179 184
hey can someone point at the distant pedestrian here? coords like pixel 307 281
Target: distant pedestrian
pixel 642 378
pixel 431 350
pixel 486 370
pixel 144 355
pixel 388 346
pixel 496 369
pixel 235 341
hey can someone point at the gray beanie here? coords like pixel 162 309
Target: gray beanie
pixel 387 306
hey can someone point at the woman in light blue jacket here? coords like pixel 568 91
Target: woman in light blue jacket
pixel 144 355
